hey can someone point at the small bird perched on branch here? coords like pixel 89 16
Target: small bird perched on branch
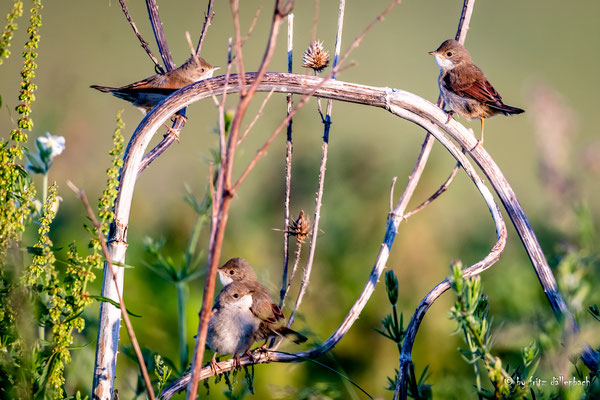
pixel 238 270
pixel 232 324
pixel 147 93
pixel 464 88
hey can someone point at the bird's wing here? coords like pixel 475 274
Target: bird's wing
pixel 478 88
pixel 267 311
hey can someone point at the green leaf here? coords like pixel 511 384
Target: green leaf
pixel 114 303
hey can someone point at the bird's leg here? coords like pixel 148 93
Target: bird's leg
pixel 250 356
pixel 175 117
pixel 236 361
pixel 179 115
pixel 214 366
pixel 450 114
pixel 480 141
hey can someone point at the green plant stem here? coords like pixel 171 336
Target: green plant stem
pixel 182 292
pixel 475 367
pixel 194 237
pixel 41 328
pixel 397 328
pixel 44 188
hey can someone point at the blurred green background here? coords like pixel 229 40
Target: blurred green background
pixel 541 55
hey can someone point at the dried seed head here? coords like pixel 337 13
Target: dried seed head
pixel 316 57
pixel 300 227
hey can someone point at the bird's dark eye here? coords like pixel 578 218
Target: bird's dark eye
pixel 231 272
pixel 235 295
pixel 449 54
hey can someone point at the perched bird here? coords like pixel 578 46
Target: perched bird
pixel 272 320
pixel 147 93
pixel 232 326
pixel 464 88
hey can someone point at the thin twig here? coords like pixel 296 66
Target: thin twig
pixel 237 44
pixel 256 117
pixel 322 168
pixel 315 21
pixel 289 150
pixel 252 26
pixel 208 16
pixel 159 34
pixel 144 44
pixel 100 236
pixel 435 195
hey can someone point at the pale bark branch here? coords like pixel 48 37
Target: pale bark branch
pixel 108 262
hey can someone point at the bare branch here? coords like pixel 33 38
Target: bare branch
pixel 159 34
pixel 207 20
pixel 136 347
pixel 256 117
pixel 289 150
pixel 144 44
pixel 435 195
pixel 322 168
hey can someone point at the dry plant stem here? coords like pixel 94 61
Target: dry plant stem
pixel 252 26
pixel 235 11
pixel 289 149
pixel 315 22
pixel 322 168
pixel 144 44
pixel 169 139
pixel 224 186
pixel 136 347
pixel 435 195
pixel 256 117
pixel 159 34
pixel 207 20
pixel 391 229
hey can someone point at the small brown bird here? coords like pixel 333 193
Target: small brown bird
pixel 232 324
pixel 464 87
pixel 271 317
pixel 147 93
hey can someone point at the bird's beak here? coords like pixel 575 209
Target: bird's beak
pixel 216 68
pixel 432 53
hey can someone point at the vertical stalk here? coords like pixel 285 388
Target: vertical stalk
pixel 182 297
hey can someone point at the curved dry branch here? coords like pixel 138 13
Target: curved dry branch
pixel 401 103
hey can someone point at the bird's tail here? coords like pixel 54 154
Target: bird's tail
pixel 292 334
pixel 506 110
pixel 103 88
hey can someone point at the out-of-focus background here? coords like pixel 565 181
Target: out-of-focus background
pixel 541 55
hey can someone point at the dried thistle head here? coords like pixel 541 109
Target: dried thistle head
pixel 300 227
pixel 316 57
